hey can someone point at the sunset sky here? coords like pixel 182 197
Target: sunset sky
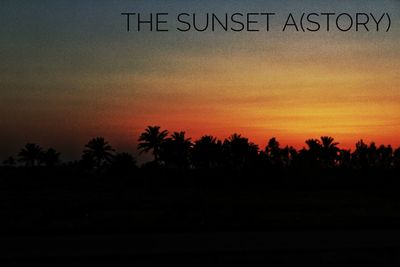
pixel 70 72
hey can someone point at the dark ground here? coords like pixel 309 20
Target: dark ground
pixel 61 218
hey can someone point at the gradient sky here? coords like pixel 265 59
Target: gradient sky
pixel 70 71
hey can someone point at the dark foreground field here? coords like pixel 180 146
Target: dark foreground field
pixel 58 218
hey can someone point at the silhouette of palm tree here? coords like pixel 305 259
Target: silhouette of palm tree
pixel 312 156
pixel 207 152
pixel 175 150
pixel 288 154
pixel 314 145
pixel 273 152
pixel 329 151
pixel 50 158
pixel 180 137
pixel 372 155
pixel 344 159
pixel 385 156
pixel 30 155
pixel 360 158
pixel 152 139
pixel 241 152
pixel 123 164
pixel 99 150
pixel 124 159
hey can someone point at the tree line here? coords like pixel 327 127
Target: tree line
pixel 177 151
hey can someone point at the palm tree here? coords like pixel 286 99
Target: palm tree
pixel 312 155
pixel 207 152
pixel 241 152
pixel 273 152
pixel 175 150
pixel 360 156
pixel 123 164
pixel 329 151
pixel 99 150
pixel 385 156
pixel 288 154
pixel 314 145
pixel 372 155
pixel 30 155
pixel 344 158
pixel 152 139
pixel 50 158
pixel 180 137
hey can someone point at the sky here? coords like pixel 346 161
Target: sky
pixel 70 71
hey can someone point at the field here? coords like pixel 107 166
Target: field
pixel 61 219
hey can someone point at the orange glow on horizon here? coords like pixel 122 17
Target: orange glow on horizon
pixel 292 86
